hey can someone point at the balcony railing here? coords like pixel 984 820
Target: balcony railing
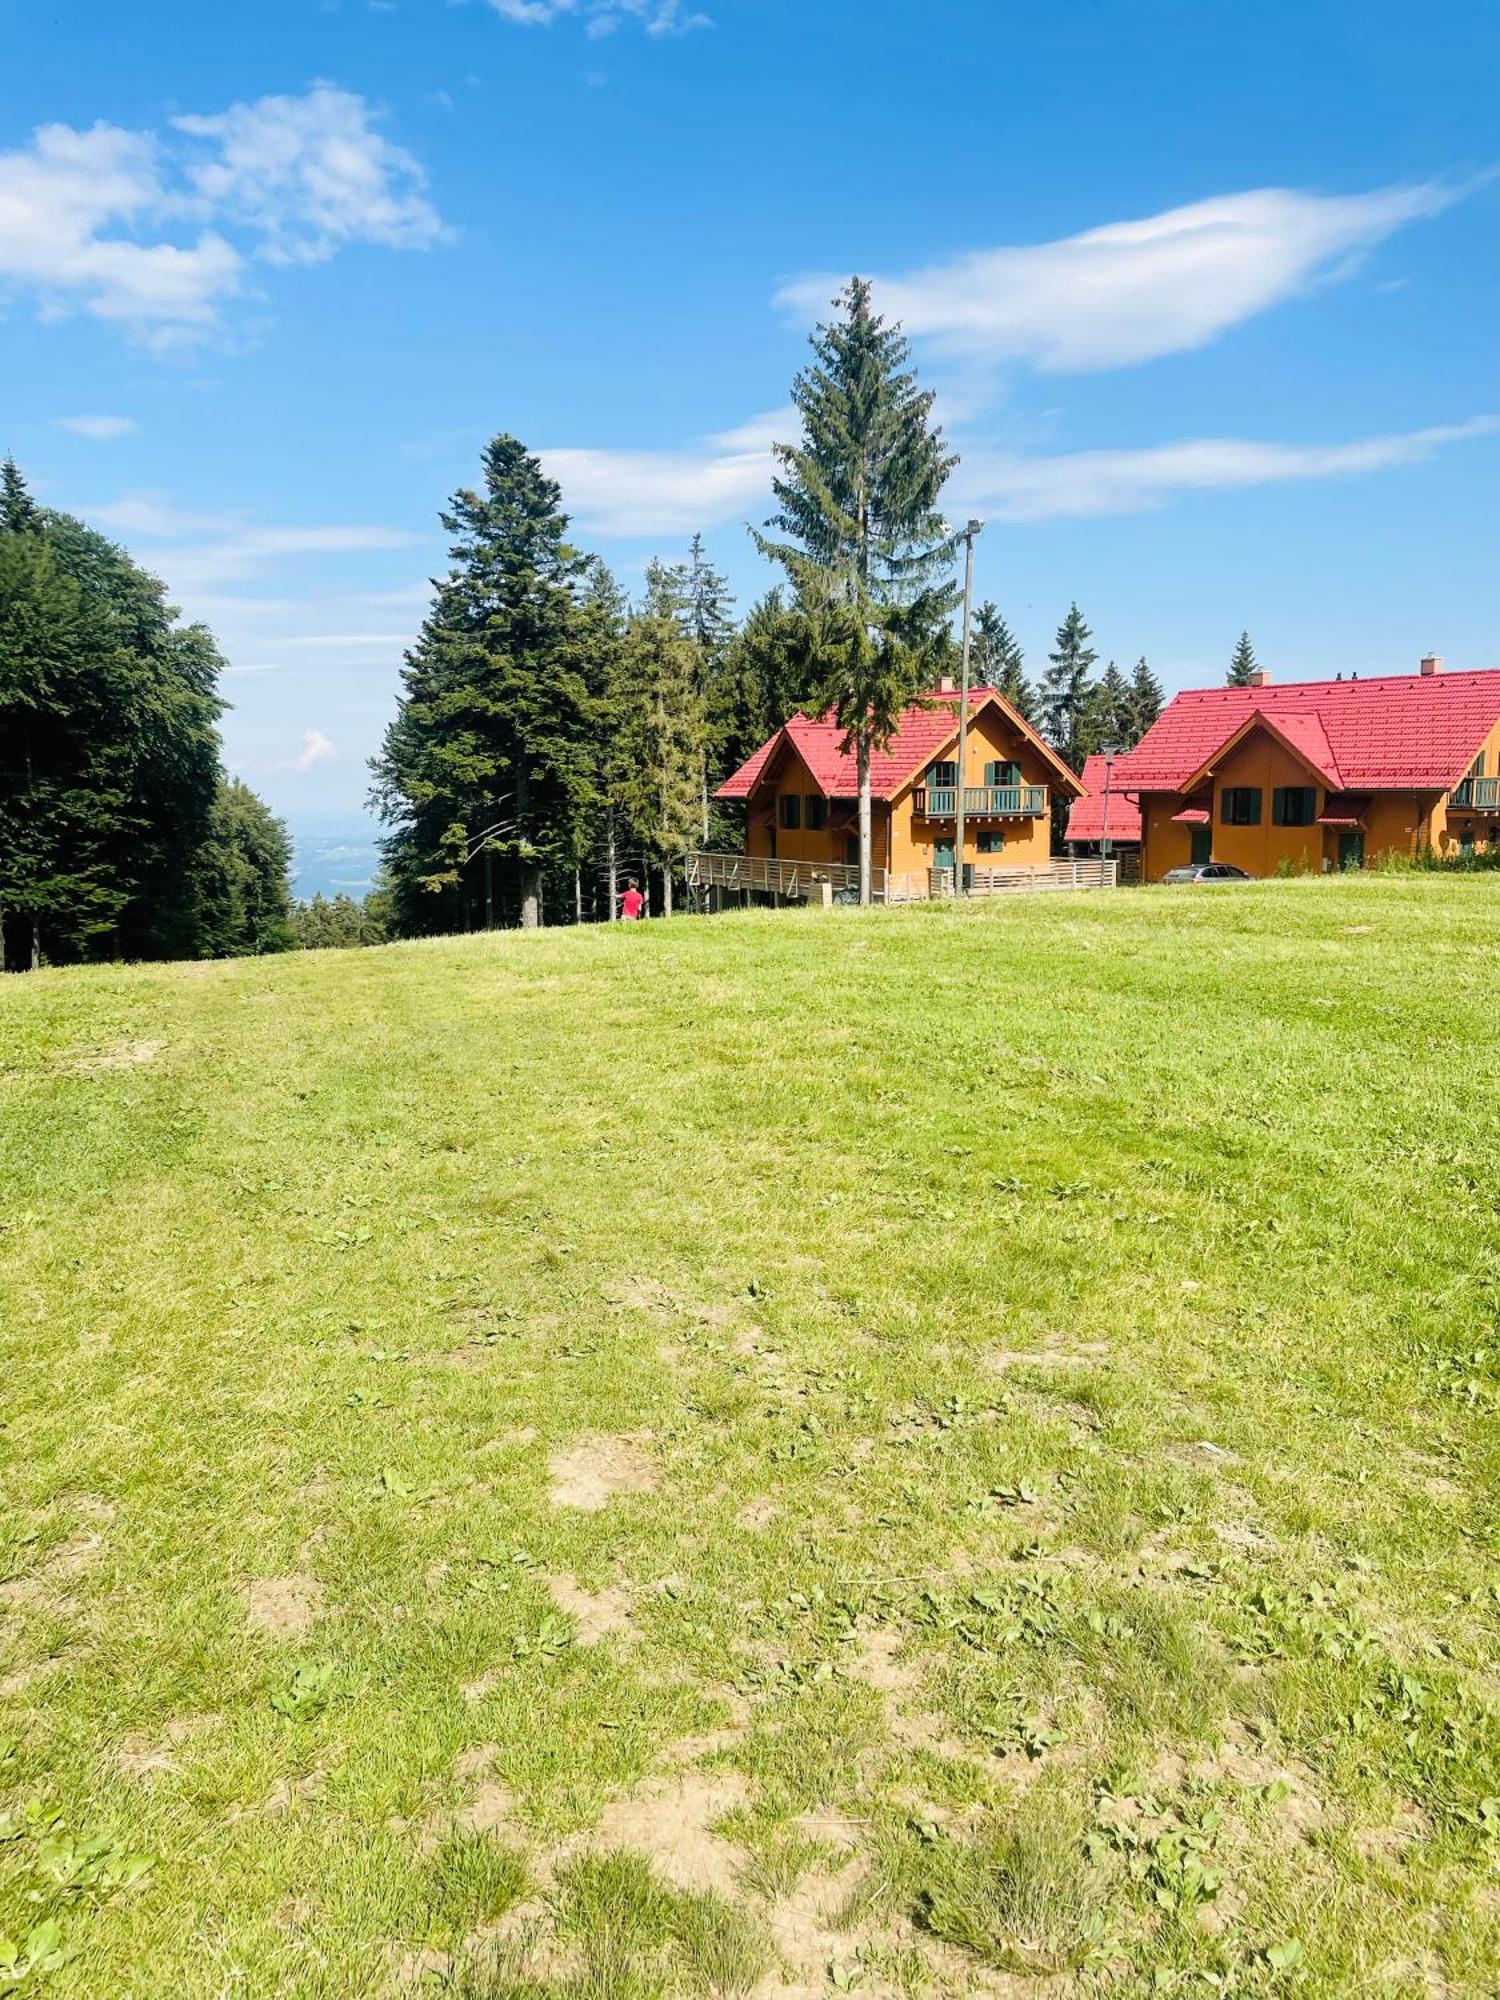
pixel 981 801
pixel 1478 794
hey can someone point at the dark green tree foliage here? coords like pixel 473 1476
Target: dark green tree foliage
pixel 109 751
pixel 1112 712
pixel 1147 700
pixel 656 707
pixel 998 661
pixel 488 773
pixel 331 923
pixel 858 529
pixel 244 868
pixel 1066 700
pixel 1243 665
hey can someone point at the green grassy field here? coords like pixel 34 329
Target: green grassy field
pixel 932 1451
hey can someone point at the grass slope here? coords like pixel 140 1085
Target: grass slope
pixel 941 1450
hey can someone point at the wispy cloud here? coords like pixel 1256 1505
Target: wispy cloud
pixel 1074 485
pixel 671 492
pixel 199 553
pixel 659 18
pixel 99 430
pixel 136 228
pixel 1134 291
pixel 728 477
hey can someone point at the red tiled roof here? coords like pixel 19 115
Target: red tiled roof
pixel 1086 818
pixel 1192 816
pixel 1343 809
pixel 926 729
pixel 1401 732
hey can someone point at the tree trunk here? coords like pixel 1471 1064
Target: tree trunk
pixel 578 895
pixel 862 764
pixel 613 863
pixel 666 888
pixel 531 895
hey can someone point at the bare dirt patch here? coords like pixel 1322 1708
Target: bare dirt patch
pixel 670 1822
pixel 284 1607
pixel 114 1055
pixel 589 1473
pixel 757 1514
pixel 601 1614
pixel 873 1660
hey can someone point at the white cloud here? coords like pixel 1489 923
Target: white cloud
pixel 309 174
pixel 664 493
pixel 659 18
pixel 1133 291
pixel 316 749
pixel 130 227
pixel 661 492
pixel 1074 485
pixel 99 430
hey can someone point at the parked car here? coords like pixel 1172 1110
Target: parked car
pixel 1207 871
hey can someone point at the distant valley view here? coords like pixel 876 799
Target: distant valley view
pixel 334 854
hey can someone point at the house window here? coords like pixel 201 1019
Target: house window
pixel 992 841
pixel 1239 805
pixel 1293 805
pixel 817 812
pixel 943 775
pixel 789 811
pixel 1002 773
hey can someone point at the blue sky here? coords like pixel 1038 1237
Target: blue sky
pixel 1209 294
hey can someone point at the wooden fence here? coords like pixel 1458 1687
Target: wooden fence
pixel 804 881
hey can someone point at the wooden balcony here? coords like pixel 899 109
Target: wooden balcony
pixel 981 801
pixel 1476 795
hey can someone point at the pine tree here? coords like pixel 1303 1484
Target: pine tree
pixel 1112 711
pixel 656 704
pixel 1066 697
pixel 863 538
pixel 1243 665
pixel 492 755
pixel 999 662
pixel 1147 699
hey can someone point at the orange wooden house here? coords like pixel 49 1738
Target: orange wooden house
pixel 800 791
pixel 1318 775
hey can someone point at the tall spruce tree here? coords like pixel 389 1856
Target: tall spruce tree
pixel 109 749
pixel 657 709
pixel 859 533
pixel 1243 665
pixel 1147 699
pixel 1066 698
pixel 1112 712
pixel 999 662
pixel 487 774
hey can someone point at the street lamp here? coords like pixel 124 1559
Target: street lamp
pixel 1111 751
pixel 973 529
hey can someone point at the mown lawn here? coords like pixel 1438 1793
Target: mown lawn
pixel 933 1451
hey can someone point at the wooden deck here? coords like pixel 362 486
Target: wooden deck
pixel 810 881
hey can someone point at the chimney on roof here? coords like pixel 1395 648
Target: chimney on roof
pixel 947 684
pixel 1261 677
pixel 1432 663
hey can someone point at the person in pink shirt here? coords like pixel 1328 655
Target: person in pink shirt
pixel 632 903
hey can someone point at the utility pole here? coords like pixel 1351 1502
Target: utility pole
pixel 974 528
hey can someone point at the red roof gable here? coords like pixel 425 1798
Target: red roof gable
pixel 926 729
pixel 1402 732
pixel 1086 818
